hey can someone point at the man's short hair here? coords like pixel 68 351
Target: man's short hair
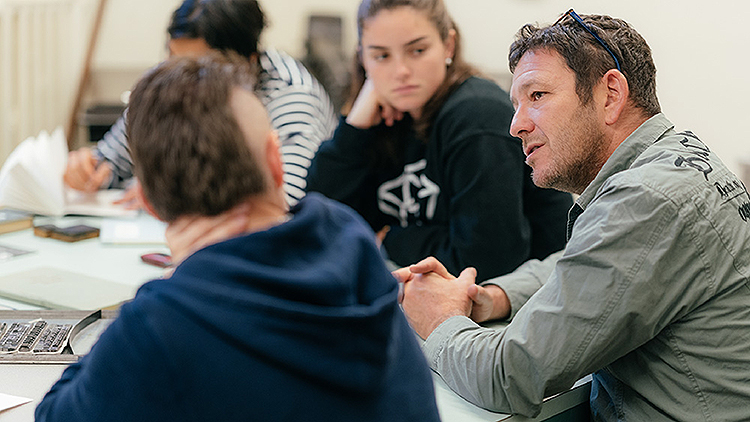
pixel 188 150
pixel 589 60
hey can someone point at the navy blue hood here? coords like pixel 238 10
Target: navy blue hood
pixel 317 278
pixel 298 322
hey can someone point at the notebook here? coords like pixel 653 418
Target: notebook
pixel 14 220
pixel 59 289
pixel 142 230
pixel 31 179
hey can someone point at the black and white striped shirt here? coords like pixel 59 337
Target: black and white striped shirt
pixel 300 111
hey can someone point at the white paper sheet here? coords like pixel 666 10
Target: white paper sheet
pixel 142 230
pixel 7 401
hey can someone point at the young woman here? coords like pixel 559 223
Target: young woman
pixel 300 109
pixel 424 154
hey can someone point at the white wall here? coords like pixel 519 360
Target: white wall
pixel 701 49
pixel 134 31
pixel 133 34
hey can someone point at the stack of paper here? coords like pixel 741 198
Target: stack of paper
pixel 53 288
pixel 13 220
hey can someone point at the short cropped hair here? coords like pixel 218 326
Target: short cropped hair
pixel 589 60
pixel 188 150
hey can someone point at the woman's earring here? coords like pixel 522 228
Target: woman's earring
pixel 448 61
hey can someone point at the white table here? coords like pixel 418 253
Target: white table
pixel 119 263
pixel 33 381
pixel 122 264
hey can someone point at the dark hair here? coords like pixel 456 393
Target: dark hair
pixel 589 60
pixel 456 74
pixel 226 25
pixel 188 150
pixel 182 24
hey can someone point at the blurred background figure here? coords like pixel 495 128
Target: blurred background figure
pixel 300 109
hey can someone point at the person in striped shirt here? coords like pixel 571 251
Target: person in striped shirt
pixel 300 109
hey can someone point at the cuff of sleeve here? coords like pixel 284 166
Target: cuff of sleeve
pixel 102 160
pixel 355 137
pixel 108 183
pixel 435 344
pixel 516 289
pixel 522 283
pixel 97 154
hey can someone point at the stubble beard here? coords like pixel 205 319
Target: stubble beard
pixel 573 170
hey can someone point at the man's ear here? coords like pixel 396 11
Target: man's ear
pixel 273 159
pixel 618 95
pixel 143 201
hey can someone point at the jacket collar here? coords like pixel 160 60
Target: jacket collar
pixel 629 150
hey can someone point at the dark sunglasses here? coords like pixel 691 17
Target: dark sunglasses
pixel 578 19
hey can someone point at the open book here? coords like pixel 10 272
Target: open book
pixel 32 180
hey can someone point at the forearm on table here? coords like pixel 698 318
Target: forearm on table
pixel 469 358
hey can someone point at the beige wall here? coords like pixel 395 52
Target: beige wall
pixel 701 50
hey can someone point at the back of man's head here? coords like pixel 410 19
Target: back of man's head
pixel 190 153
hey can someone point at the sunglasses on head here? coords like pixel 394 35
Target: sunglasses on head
pixel 578 19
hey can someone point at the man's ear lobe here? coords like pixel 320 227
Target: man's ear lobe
pixel 618 94
pixel 143 201
pixel 273 159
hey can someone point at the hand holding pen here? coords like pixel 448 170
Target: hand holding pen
pixel 85 172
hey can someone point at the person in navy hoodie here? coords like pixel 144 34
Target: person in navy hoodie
pixel 271 314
